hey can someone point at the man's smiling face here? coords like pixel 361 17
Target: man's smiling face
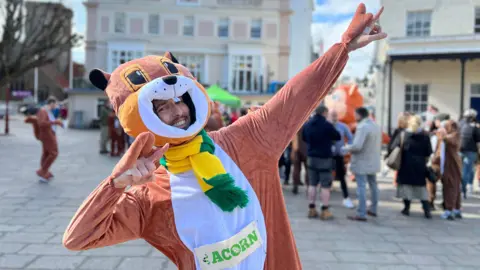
pixel 173 113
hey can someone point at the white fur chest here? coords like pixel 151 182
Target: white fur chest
pixel 200 222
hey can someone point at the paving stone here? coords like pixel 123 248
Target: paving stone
pixel 15 261
pixel 395 267
pixel 317 255
pixel 57 262
pixel 10 228
pixel 101 263
pixel 366 257
pixel 130 251
pixel 46 249
pixel 465 260
pixel 418 259
pixel 141 263
pixel 336 266
pixel 22 237
pixel 8 248
pixel 408 239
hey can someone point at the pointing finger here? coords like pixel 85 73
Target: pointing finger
pixel 142 145
pixel 378 14
pixel 159 153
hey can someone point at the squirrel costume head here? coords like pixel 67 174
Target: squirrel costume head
pixel 158 95
pixel 140 89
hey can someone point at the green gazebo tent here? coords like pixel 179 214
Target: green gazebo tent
pixel 216 93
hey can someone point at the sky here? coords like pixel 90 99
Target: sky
pixel 330 20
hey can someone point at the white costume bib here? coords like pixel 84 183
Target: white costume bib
pixel 219 240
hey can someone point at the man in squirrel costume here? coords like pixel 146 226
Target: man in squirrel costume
pixel 216 202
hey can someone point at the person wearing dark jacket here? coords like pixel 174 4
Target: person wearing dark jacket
pixel 411 178
pixel 469 137
pixel 320 135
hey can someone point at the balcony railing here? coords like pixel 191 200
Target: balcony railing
pixel 240 2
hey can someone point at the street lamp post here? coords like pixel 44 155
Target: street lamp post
pixel 7 99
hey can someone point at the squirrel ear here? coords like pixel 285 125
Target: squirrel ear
pixel 170 56
pixel 99 78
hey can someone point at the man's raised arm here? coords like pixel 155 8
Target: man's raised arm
pixel 270 129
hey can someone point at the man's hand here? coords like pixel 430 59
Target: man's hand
pixel 138 165
pixel 363 29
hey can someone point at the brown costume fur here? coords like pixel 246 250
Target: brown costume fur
pixel 254 142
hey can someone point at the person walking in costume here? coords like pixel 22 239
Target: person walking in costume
pixel 448 148
pixel 216 202
pixel 47 126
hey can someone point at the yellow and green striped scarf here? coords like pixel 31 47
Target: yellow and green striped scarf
pixel 198 155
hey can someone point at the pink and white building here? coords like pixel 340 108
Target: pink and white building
pixel 238 44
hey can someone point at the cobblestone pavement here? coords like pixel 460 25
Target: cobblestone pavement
pixel 33 217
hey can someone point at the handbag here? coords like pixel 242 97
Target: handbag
pixel 394 159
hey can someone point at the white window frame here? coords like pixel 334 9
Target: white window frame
pixel 187 30
pixel 476 22
pixel 118 57
pixel 475 90
pixel 256 25
pixel 418 90
pixel 120 18
pixel 419 23
pixel 223 24
pixel 151 23
pixel 188 2
pixel 195 64
pixel 239 65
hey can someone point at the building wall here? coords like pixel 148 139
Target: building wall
pixel 443 78
pixel 300 36
pixel 452 30
pixel 448 17
pixel 86 103
pixel 274 44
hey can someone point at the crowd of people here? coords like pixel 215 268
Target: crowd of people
pixel 432 149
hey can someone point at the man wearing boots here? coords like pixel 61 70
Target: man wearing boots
pixel 319 134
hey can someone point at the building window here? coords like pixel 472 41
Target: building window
pixel 120 21
pixel 223 27
pixel 247 74
pixel 194 63
pixel 188 24
pixel 119 57
pixel 154 24
pixel 477 20
pixel 416 97
pixel 475 89
pixel 256 29
pixel 418 23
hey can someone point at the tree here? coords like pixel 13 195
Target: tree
pixel 33 35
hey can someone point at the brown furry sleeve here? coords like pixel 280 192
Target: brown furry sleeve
pixel 266 132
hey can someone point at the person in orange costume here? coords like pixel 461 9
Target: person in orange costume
pixel 46 128
pixel 175 207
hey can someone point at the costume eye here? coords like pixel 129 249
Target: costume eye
pixel 136 77
pixel 171 67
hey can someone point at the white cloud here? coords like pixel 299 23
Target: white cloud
pixel 331 32
pixel 337 7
